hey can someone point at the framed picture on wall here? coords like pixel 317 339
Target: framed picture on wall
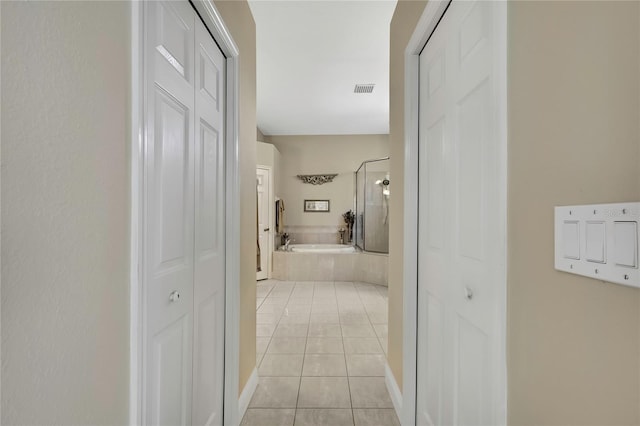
pixel 316 206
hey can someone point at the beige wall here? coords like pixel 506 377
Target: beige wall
pixel 260 136
pixel 238 18
pixel 265 154
pixel 65 240
pixel 340 154
pixel 65 212
pixel 573 342
pixel 268 155
pixel 403 23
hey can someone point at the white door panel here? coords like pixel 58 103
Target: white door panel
pixel 169 162
pixel 208 348
pixel 184 220
pixel 172 374
pixel 461 237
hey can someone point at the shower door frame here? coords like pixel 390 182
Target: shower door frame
pixel 364 212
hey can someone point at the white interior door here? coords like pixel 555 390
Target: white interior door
pixel 183 270
pixel 461 222
pixel 169 161
pixel 263 179
pixel 209 256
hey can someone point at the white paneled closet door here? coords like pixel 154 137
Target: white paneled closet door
pixel 461 222
pixel 209 295
pixel 184 219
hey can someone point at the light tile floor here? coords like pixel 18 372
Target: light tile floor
pixel 321 355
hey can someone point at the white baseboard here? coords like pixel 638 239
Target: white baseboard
pixel 394 390
pixel 247 393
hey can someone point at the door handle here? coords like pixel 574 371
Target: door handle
pixel 267 230
pixel 468 293
pixel 174 296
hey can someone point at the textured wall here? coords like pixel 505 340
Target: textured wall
pixel 573 342
pixel 403 24
pixel 239 20
pixel 65 243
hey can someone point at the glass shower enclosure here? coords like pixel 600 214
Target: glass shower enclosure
pixel 372 206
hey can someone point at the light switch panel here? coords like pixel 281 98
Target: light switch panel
pixel 625 244
pixel 571 239
pixel 599 241
pixel 595 250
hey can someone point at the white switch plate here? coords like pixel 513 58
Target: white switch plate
pixel 605 245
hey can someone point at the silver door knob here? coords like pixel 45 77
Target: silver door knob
pixel 174 296
pixel 468 293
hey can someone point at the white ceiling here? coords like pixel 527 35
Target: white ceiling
pixel 310 55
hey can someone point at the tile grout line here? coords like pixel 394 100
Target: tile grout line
pixel 258 364
pixel 274 329
pixel 353 419
pixel 265 351
pixel 304 354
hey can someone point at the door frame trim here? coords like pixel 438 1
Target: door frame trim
pixel 272 200
pixel 216 26
pixel 431 15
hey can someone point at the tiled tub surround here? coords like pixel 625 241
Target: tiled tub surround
pixel 314 234
pixel 364 267
pixel 321 355
pixel 322 248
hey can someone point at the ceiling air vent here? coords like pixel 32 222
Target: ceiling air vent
pixel 364 88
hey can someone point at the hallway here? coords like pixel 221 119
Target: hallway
pixel 321 355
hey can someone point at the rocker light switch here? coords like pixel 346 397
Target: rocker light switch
pixel 595 242
pixel 625 244
pixel 571 239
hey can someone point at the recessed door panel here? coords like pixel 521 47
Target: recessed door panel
pixel 209 176
pixel 473 390
pixel 207 391
pixel 171 371
pixel 172 181
pixel 209 76
pixel 474 29
pixel 432 368
pixel 436 181
pixel 174 36
pixel 436 74
pixel 471 172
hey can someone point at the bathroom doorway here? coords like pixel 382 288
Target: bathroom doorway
pixel 266 206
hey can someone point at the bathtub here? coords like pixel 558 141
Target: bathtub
pixel 329 262
pixel 321 248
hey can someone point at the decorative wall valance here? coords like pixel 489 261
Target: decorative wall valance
pixel 317 179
